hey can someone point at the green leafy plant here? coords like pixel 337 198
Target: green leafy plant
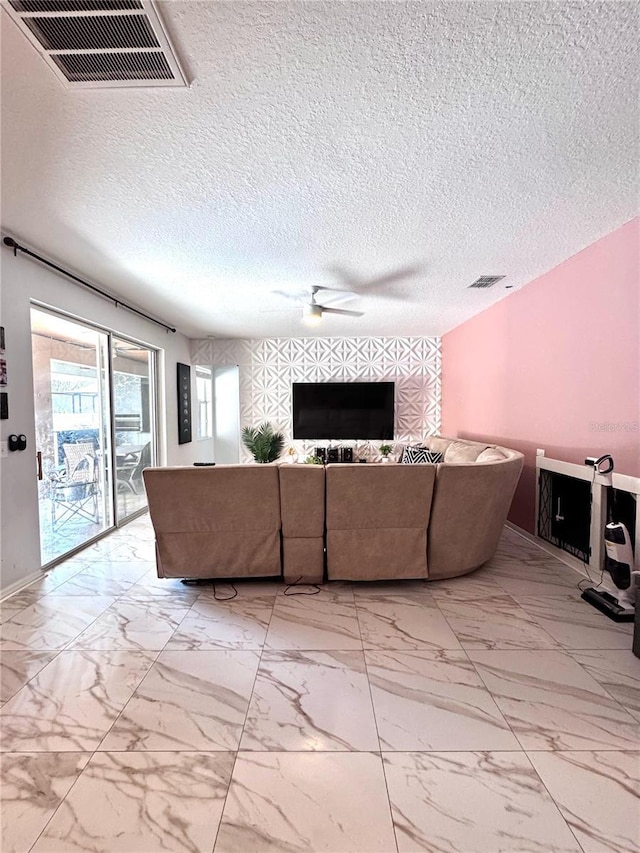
pixel 262 442
pixel 313 460
pixel 386 449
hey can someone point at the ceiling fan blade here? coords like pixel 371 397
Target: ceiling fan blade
pixel 336 297
pixel 363 285
pixel 342 311
pixel 294 297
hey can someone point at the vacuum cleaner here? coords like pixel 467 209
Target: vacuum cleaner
pixel 619 563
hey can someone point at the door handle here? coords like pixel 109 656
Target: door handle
pixel 39 461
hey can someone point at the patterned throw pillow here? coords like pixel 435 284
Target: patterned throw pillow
pixel 413 455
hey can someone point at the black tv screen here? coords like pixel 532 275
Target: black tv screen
pixel 343 410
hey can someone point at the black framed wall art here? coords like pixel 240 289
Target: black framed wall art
pixel 184 403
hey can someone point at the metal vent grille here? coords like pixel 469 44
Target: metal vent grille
pixel 486 281
pixel 97 32
pixel 100 43
pixel 110 66
pixel 74 5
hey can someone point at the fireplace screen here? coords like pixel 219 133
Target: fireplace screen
pixel 564 513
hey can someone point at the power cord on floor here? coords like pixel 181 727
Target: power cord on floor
pixel 315 589
pixel 201 581
pixel 225 598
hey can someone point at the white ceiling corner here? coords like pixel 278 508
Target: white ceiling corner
pixel 441 140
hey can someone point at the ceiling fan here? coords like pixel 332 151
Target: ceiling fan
pixel 312 311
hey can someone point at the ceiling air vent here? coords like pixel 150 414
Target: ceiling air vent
pixel 100 43
pixel 486 281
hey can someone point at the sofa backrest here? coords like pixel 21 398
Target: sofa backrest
pixel 377 518
pixel 470 506
pixel 455 449
pixel 302 507
pixel 221 521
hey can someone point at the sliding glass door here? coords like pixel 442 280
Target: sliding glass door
pixel 95 430
pixel 133 370
pixel 73 433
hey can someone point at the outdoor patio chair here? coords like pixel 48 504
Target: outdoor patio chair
pixel 75 487
pixel 129 474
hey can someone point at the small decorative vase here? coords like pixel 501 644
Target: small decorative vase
pixel 385 459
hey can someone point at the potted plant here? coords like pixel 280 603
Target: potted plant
pixel 313 460
pixel 385 449
pixel 262 442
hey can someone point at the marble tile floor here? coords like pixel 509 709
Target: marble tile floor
pixel 494 713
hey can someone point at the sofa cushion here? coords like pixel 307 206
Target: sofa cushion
pixel 377 518
pixel 492 454
pixel 302 500
pixel 437 443
pixel 222 521
pixel 463 451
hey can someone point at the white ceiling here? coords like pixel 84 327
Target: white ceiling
pixel 461 139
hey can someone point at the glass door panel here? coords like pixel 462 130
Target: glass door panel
pixel 73 433
pixel 133 370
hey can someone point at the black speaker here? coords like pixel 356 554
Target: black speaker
pixel 347 454
pixel 321 453
pixel 333 455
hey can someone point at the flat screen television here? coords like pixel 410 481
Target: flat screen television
pixel 343 410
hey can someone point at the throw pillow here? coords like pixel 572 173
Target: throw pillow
pixel 420 455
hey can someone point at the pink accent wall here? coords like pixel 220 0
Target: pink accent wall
pixel 556 365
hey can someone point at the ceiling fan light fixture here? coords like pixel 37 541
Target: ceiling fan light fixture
pixel 311 314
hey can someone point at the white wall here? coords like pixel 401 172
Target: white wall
pixel 24 280
pixel 268 366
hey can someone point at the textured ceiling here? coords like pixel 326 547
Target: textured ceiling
pixel 446 140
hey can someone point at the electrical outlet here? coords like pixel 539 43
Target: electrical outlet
pixel 539 452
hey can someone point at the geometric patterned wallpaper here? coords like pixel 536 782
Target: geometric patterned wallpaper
pixel 268 366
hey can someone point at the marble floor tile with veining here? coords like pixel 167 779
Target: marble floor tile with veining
pixel 32 786
pixel 73 702
pixel 125 572
pixel 18 603
pixel 490 713
pixel 51 623
pixel 599 795
pixel 296 801
pixel 235 624
pixel 314 622
pixel 17 668
pixel 189 700
pixel 142 803
pixel 618 671
pixel 485 802
pixel 480 584
pixel 86 583
pixel 433 700
pixel 128 624
pixel 311 701
pixel 403 622
pixel 552 703
pixel 494 622
pixel 574 624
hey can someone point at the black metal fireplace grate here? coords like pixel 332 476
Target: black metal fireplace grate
pixel 564 513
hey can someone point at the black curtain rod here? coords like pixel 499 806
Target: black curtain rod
pixel 12 244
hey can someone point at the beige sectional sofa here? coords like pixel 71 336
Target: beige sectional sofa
pixel 365 522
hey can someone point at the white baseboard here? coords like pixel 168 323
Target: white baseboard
pixel 6 591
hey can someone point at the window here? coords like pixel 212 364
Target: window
pixel 204 395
